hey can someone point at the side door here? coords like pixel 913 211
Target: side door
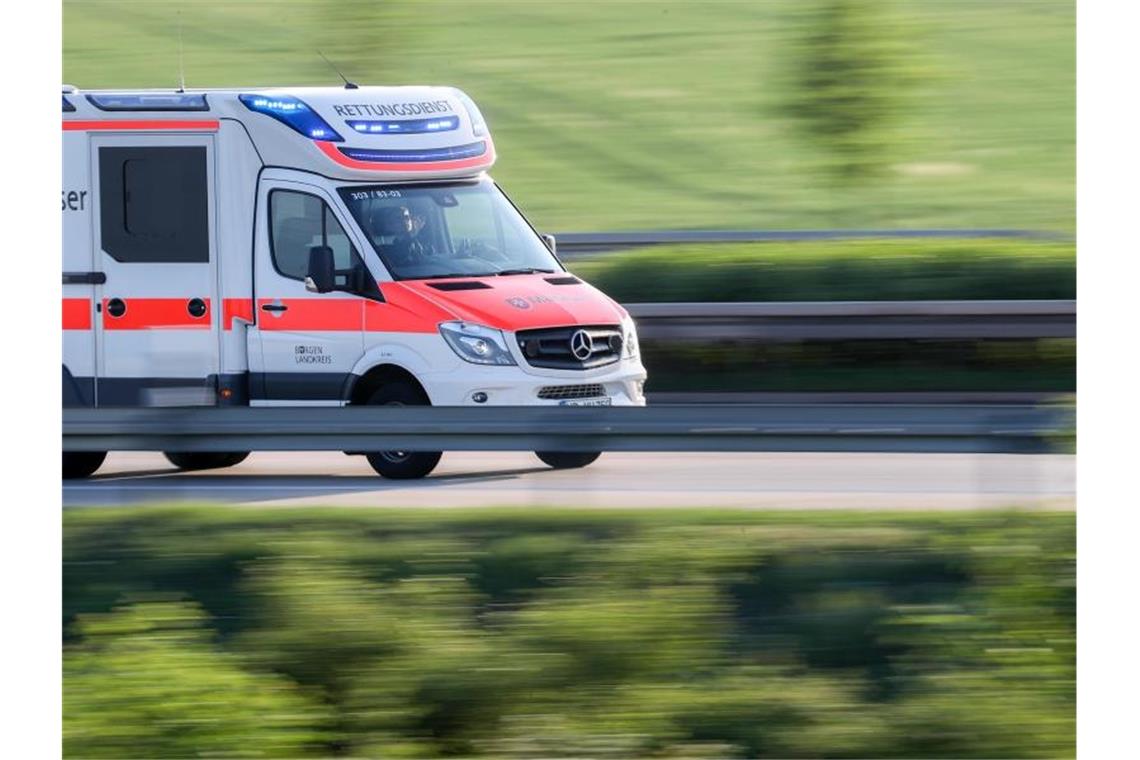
pixel 309 342
pixel 156 320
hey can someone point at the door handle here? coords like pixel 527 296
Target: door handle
pixel 274 307
pixel 84 278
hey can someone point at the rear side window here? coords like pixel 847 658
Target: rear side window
pixel 298 222
pixel 153 204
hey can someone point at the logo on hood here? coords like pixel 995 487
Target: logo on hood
pixel 519 303
pixel 581 345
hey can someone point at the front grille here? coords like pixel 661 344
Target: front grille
pixel 551 348
pixel 560 392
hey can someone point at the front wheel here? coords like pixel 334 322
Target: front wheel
pixel 81 464
pixel 402 465
pixel 567 460
pixel 204 460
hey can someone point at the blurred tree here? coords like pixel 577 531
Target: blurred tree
pixel 147 682
pixel 851 71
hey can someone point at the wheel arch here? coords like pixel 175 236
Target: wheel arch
pixel 375 377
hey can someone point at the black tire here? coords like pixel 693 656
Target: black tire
pixel 401 465
pixel 81 464
pixel 567 460
pixel 204 460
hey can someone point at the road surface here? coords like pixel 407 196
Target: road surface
pixel 760 480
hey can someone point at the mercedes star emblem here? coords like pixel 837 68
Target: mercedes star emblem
pixel 581 345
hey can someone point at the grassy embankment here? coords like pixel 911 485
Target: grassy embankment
pixel 655 115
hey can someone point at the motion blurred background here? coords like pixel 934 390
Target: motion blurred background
pixel 823 116
pixel 629 633
pixel 679 115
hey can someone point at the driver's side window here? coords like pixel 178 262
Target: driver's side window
pixel 299 222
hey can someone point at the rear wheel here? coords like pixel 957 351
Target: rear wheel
pixel 81 464
pixel 402 465
pixel 204 460
pixel 566 460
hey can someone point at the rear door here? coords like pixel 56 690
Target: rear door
pixel 157 314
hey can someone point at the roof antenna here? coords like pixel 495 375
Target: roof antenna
pixel 181 70
pixel 347 84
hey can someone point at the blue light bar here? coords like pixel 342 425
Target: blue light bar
pixel 471 150
pixel 405 126
pixel 293 113
pixel 173 101
pixel 67 104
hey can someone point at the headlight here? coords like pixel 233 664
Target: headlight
pixel 629 337
pixel 476 344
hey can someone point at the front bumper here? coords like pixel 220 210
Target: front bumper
pixel 623 383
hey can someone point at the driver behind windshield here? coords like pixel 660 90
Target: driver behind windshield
pixel 395 232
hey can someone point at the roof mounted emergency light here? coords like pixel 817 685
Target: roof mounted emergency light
pixel 150 102
pixel 293 113
pixel 449 153
pixel 405 126
pixel 478 123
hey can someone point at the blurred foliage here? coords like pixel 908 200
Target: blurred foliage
pixel 1030 366
pixel 854 65
pixel 847 270
pixel 661 114
pixel 146 681
pixel 568 633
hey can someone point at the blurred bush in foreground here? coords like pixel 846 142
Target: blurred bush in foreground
pixel 567 634
pixel 842 270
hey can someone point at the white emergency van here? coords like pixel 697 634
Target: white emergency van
pixel 315 247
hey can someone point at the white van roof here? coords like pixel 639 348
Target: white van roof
pixel 371 133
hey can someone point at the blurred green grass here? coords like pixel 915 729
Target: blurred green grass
pixel 651 115
pixel 567 633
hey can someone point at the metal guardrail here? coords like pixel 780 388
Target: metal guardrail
pixel 574 244
pixel 855 320
pixel 833 427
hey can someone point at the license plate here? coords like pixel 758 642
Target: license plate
pixel 603 401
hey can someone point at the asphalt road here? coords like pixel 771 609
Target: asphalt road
pixel 753 480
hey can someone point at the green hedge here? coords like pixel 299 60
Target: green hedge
pixel 844 270
pixel 565 633
pixel 1033 366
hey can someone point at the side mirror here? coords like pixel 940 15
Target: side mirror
pixel 551 243
pixel 322 270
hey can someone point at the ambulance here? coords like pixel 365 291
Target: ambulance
pixel 320 246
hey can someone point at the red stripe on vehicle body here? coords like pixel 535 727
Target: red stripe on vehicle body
pixel 236 308
pixel 156 314
pixel 316 314
pixel 143 125
pixel 388 317
pixel 352 314
pixel 77 314
pixel 484 160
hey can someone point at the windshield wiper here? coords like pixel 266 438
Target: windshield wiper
pixel 524 270
pixel 451 275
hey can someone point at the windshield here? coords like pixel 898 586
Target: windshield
pixel 447 230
